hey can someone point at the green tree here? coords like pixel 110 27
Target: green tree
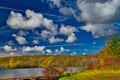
pixel 113 44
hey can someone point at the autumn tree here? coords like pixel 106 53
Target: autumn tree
pixel 113 44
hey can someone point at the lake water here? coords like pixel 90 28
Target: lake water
pixel 17 73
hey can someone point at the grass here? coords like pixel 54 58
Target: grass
pixel 95 75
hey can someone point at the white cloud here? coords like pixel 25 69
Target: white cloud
pixel 68 30
pixel 35 41
pixel 49 25
pixel 46 34
pixel 27 49
pixel 49 51
pixel 74 53
pixel 83 53
pixel 22 33
pixel 100 30
pixel 32 20
pixel 92 11
pixel 55 40
pixel 20 39
pixel 35 48
pixel 66 11
pixel 9 48
pixel 11 53
pixel 71 38
pixel 62 49
pixel 70 11
pixel 56 50
pixel 99 12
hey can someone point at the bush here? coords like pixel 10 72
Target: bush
pixel 50 73
pixel 112 63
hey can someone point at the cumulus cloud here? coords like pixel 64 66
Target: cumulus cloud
pixel 55 40
pixel 84 53
pixel 35 41
pixel 48 51
pixel 95 12
pixel 62 49
pixel 20 39
pixel 100 30
pixel 11 53
pixel 49 25
pixel 46 34
pixel 71 38
pixel 9 48
pixel 68 30
pixel 99 12
pixel 22 33
pixel 35 48
pixel 92 11
pixel 56 50
pixel 64 30
pixel 32 20
pixel 74 53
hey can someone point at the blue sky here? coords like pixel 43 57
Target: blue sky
pixel 74 27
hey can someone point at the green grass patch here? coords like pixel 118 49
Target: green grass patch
pixel 95 75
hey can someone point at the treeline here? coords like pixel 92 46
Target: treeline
pixel 16 62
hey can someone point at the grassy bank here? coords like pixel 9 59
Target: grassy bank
pixel 95 75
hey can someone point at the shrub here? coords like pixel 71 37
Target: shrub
pixel 50 73
pixel 111 62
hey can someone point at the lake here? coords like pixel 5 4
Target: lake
pixel 17 73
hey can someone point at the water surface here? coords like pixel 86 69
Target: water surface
pixel 17 73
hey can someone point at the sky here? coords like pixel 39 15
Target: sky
pixel 51 27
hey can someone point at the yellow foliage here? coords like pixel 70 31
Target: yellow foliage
pixel 11 62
